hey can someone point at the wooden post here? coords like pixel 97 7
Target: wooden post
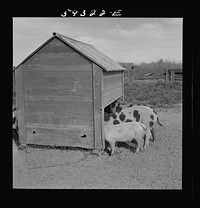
pixel 172 75
pixel 123 73
pixel 166 75
pixel 128 75
pixel 97 106
pixel 131 75
pixel 102 110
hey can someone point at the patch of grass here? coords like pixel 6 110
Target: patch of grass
pixel 157 94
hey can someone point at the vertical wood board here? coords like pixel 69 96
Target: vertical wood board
pixel 97 106
pixel 20 104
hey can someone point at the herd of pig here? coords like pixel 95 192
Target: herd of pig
pixel 124 123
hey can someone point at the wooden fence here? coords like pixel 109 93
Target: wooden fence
pixel 172 75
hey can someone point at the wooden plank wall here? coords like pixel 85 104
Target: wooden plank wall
pixel 20 105
pixel 112 86
pixel 58 97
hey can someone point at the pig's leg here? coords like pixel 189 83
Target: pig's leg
pixel 148 136
pixel 153 134
pixel 140 143
pixel 112 145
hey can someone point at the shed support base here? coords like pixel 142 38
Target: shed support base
pixel 97 151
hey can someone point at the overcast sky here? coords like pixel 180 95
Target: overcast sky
pixel 122 39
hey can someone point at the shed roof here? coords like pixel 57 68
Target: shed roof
pixel 88 51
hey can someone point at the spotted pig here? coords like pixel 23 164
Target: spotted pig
pixel 143 114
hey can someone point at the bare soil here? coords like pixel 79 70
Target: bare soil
pixel 157 167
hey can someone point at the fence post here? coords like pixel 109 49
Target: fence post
pixel 166 75
pixel 172 75
pixel 131 75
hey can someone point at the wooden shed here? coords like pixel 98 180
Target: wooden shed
pixel 62 89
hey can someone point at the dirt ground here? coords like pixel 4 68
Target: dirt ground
pixel 157 167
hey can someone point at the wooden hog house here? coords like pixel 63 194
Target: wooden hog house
pixel 62 89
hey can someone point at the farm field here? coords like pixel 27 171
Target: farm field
pixel 157 167
pixel 155 93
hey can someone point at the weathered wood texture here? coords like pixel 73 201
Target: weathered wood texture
pixel 112 86
pixel 58 97
pixel 20 105
pixel 61 97
pixel 60 135
pixel 97 106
